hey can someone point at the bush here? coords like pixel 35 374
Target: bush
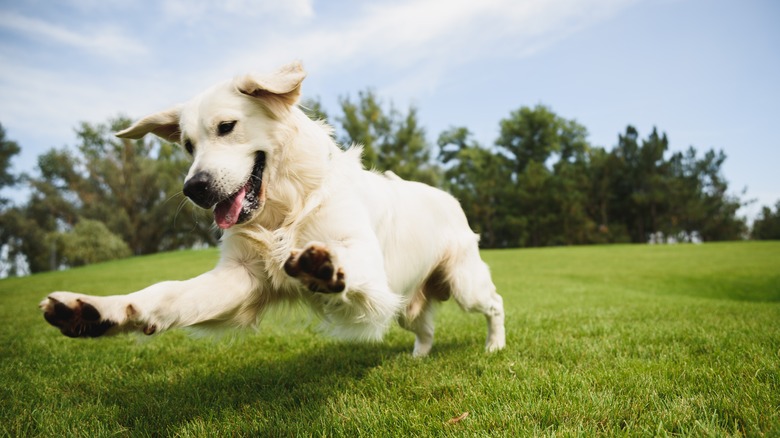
pixel 91 242
pixel 767 225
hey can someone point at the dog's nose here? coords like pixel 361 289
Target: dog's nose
pixel 198 189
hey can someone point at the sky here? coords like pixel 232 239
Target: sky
pixel 705 72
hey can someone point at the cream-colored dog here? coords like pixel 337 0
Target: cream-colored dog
pixel 303 222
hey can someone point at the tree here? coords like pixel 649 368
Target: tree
pixel 549 170
pixel 364 123
pixel 570 186
pixel 8 149
pixel 481 180
pixel 558 190
pixel 767 224
pixel 640 177
pixel 601 176
pixel 720 208
pixel 390 140
pixel 698 198
pixel 132 187
pixel 9 218
pixel 653 178
pixel 681 196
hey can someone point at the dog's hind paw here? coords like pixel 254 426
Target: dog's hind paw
pixel 74 317
pixel 314 266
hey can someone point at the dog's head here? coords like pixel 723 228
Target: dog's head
pixel 232 131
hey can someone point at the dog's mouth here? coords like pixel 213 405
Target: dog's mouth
pixel 240 206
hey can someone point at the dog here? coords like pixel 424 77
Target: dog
pixel 303 222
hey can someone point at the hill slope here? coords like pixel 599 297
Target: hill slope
pixel 605 340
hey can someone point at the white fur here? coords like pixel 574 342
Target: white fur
pixel 387 235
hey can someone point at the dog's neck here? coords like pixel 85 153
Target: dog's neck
pixel 304 161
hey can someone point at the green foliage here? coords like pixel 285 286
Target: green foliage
pixel 28 244
pixel 390 140
pixel 10 218
pixel 546 186
pixel 128 185
pixel 767 225
pixel 132 187
pixel 91 242
pixel 530 135
pixel 478 178
pixel 620 340
pixel 8 149
pixel 540 184
pixel 639 175
pixel 531 190
pixel 699 200
pixel 364 123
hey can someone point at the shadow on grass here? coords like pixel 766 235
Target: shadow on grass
pixel 257 397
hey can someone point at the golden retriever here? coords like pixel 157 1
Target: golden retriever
pixel 302 221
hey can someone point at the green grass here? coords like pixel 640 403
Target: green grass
pixel 612 340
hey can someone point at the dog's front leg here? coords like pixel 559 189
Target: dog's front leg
pixel 350 285
pixel 315 266
pixel 223 295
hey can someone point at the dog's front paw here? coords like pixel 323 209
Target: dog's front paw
pixel 314 266
pixel 73 316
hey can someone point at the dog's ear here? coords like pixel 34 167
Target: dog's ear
pixel 284 85
pixel 164 124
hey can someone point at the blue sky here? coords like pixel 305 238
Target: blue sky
pixel 703 71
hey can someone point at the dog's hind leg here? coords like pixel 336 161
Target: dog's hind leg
pixel 472 288
pixel 419 320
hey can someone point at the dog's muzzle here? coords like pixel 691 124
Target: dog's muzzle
pixel 229 208
pixel 200 190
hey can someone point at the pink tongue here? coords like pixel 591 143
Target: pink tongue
pixel 226 212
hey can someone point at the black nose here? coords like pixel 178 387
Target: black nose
pixel 200 190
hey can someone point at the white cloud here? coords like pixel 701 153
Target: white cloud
pixel 40 108
pixel 459 30
pixel 30 95
pixel 59 59
pixel 419 40
pixel 408 47
pixel 289 8
pixel 106 41
pixel 194 11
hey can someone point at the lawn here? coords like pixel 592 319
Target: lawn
pixel 605 340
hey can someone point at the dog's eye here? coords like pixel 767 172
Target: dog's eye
pixel 188 146
pixel 225 128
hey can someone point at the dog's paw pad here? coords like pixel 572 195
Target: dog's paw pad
pixel 76 319
pixel 314 267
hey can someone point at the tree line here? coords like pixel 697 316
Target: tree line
pixel 102 199
pixel 540 183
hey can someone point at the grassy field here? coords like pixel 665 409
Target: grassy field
pixel 611 340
